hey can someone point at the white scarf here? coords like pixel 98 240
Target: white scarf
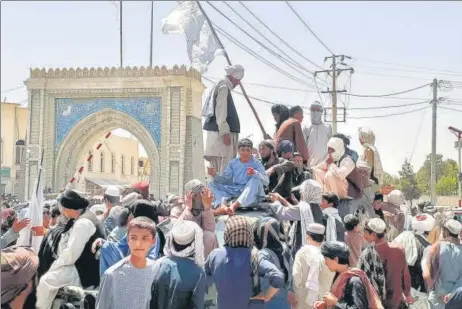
pixel 331 229
pixel 306 217
pixel 409 242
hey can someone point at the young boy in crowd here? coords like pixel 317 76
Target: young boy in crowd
pixel 127 284
pixel 353 238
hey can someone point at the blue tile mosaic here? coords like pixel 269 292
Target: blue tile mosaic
pixel 70 111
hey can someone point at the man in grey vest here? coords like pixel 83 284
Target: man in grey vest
pixel 221 120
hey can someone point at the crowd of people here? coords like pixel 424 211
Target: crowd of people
pixel 326 237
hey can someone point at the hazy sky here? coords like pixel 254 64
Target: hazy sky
pixel 417 34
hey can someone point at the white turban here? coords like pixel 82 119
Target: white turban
pixel 423 223
pixel 396 197
pixel 338 146
pixel 236 71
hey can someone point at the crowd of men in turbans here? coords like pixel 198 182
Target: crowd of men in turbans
pixel 324 237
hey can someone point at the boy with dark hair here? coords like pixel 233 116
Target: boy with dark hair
pixel 331 218
pixel 127 283
pixel 351 288
pixel 353 238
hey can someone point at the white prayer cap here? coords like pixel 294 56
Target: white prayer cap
pixel 377 225
pixel 453 226
pixel 236 71
pixel 183 232
pixel 112 191
pixel 316 228
pixel 98 208
pixel 423 223
pixel 396 197
pixel 129 199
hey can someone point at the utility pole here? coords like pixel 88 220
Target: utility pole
pixel 458 145
pixel 152 33
pixel 433 156
pixel 334 73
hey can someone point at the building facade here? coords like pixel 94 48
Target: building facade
pixel 161 107
pixel 13 146
pixel 115 163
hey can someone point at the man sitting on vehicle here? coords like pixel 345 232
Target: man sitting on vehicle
pixel 244 178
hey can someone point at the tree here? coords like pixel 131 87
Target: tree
pixel 423 176
pixel 408 182
pixel 447 184
pixel 388 179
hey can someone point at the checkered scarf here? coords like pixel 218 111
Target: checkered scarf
pixel 238 233
pixel 369 262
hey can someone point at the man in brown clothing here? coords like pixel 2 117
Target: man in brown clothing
pixel 398 279
pixel 291 130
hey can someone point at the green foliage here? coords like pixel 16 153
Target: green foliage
pixel 408 183
pixel 423 176
pixel 447 184
pixel 388 179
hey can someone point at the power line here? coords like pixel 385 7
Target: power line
pixel 280 39
pixel 451 109
pixel 268 40
pixel 412 71
pixel 259 42
pixel 269 86
pixel 390 115
pixel 390 106
pixel 308 27
pixel 255 55
pixel 388 94
pixel 418 134
pixel 389 75
pixel 407 66
pixel 13 89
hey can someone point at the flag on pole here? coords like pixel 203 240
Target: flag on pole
pixel 188 20
pixel 35 214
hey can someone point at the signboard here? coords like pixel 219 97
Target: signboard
pixel 6 172
pixel 458 144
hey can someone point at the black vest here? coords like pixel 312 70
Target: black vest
pixel 232 118
pixel 87 265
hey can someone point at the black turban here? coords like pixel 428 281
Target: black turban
pixel 144 208
pixel 72 200
pixel 245 142
pixel 335 249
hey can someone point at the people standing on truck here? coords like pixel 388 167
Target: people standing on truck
pixel 291 130
pixel 317 135
pixel 335 230
pixel 222 121
pixel 280 114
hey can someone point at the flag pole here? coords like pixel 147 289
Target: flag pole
pixel 229 62
pixel 38 179
pixel 120 26
pixel 152 33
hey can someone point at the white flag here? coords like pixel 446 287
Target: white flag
pixel 187 19
pixel 35 214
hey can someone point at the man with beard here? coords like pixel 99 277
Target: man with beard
pixel 279 170
pixel 222 121
pixel 75 264
pixel 317 135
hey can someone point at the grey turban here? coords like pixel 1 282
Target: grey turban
pixel 194 185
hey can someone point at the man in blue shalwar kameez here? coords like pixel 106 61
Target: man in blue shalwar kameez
pixel 243 178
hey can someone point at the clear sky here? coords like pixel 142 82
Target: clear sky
pixel 417 34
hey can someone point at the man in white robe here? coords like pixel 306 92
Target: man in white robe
pixel 312 278
pixel 317 135
pixel 221 120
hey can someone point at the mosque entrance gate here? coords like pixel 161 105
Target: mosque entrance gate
pixel 161 107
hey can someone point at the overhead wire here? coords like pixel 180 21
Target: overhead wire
pixel 294 62
pixel 389 115
pixel 451 109
pixel 270 86
pixel 389 106
pixel 411 71
pixel 259 42
pixel 388 94
pixel 418 134
pixel 408 66
pixel 280 39
pixel 309 28
pixel 13 89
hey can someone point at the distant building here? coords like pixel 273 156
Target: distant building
pixel 144 169
pixel 114 164
pixel 13 146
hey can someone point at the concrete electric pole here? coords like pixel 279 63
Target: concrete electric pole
pixel 458 145
pixel 433 156
pixel 334 73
